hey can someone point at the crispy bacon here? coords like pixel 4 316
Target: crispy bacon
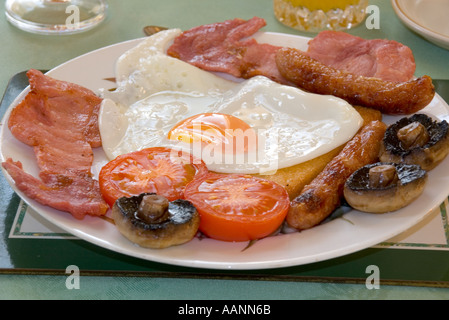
pixel 60 121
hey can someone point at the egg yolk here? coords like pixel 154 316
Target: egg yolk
pixel 224 131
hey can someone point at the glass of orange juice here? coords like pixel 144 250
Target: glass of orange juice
pixel 318 15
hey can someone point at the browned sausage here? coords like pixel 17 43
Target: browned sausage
pixel 388 97
pixel 322 196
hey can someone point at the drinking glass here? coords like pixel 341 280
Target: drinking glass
pixel 318 15
pixel 55 16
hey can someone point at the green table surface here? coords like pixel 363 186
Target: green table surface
pixel 20 51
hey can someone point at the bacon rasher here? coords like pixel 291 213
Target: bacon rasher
pixel 60 121
pixel 227 47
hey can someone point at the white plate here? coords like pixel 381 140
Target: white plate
pixel 333 239
pixel 426 17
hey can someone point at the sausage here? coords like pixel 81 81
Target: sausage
pixel 322 196
pixel 394 98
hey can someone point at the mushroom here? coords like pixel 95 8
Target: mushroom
pixel 416 140
pixel 151 221
pixel 384 187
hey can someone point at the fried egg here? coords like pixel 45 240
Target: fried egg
pixel 146 69
pixel 252 126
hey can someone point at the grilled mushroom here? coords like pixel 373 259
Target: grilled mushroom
pixel 416 140
pixel 151 221
pixel 384 187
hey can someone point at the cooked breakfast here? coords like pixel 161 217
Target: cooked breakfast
pixel 190 150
